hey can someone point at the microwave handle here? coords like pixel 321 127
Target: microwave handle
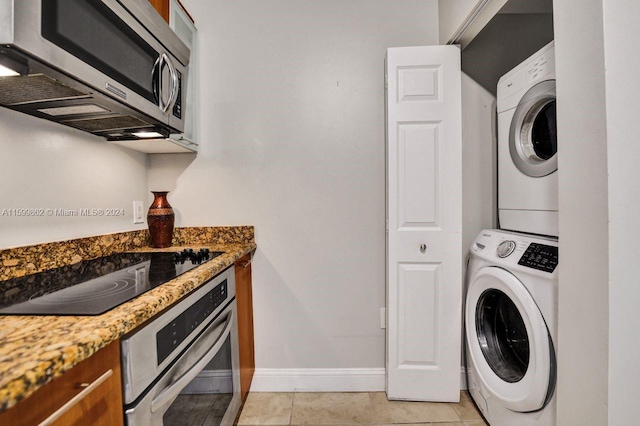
pixel 173 95
pixel 155 73
pixel 156 81
pixel 167 396
pixel 165 60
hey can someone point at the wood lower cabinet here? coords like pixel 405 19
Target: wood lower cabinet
pixel 88 394
pixel 244 299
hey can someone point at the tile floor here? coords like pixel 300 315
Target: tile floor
pixel 317 409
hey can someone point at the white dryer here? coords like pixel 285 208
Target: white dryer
pixel 511 314
pixel 527 146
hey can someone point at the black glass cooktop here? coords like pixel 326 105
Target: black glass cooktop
pixel 93 287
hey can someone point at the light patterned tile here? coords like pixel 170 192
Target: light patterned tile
pixel 264 408
pixel 476 423
pixel 386 411
pixel 331 409
pixel 466 409
pixel 425 424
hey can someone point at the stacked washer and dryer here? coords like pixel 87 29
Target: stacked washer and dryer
pixel 511 306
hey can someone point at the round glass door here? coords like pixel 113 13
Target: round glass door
pixel 533 141
pixel 502 335
pixel 507 340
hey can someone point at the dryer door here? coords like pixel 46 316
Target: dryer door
pixel 533 141
pixel 508 340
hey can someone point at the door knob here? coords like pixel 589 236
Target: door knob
pixel 423 247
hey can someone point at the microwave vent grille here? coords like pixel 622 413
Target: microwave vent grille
pixel 109 123
pixel 32 88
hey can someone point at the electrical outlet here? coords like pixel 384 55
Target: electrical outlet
pixel 383 317
pixel 138 212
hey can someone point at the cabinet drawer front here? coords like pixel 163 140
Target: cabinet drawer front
pixel 99 405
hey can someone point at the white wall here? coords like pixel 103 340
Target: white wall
pixel 479 179
pixel 622 60
pixel 599 200
pixel 292 118
pixel 45 165
pixel 583 328
pixel 479 183
pixel 452 14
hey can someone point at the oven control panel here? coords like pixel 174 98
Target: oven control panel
pixel 174 333
pixel 541 257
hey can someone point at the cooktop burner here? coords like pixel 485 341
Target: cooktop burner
pixel 93 287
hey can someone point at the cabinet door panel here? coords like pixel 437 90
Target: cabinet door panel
pixel 244 299
pixel 102 406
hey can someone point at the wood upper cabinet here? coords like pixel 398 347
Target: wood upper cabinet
pixel 88 394
pixel 182 24
pixel 244 299
pixel 162 6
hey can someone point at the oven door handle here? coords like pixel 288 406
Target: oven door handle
pixel 169 394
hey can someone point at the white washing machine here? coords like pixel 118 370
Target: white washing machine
pixel 527 146
pixel 511 314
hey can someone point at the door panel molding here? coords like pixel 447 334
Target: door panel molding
pixel 424 216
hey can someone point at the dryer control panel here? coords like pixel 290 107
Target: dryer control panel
pixel 541 257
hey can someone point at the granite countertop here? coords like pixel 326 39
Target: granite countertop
pixel 36 349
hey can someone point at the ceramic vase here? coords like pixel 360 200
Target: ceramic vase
pixel 160 219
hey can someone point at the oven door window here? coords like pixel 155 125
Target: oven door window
pixel 204 401
pixel 93 33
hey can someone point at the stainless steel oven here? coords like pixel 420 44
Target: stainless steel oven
pixel 182 368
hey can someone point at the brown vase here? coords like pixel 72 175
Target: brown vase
pixel 160 220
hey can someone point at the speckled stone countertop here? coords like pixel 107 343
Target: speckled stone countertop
pixel 36 349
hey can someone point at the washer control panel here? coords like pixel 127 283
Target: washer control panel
pixel 505 248
pixel 534 255
pixel 541 257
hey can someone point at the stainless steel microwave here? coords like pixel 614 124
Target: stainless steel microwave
pixel 113 68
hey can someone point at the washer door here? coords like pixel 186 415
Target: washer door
pixel 508 340
pixel 533 141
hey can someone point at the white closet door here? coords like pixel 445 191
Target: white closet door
pixel 424 214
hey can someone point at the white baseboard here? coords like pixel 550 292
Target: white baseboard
pixel 325 380
pixel 318 380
